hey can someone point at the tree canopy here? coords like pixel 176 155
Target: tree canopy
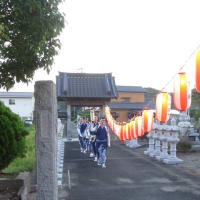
pixel 29 31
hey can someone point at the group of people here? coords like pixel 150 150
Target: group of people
pixel 94 138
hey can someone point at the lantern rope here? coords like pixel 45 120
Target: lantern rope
pixel 182 67
pixel 172 78
pixel 132 130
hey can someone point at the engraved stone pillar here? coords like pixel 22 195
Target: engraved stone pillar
pixel 46 139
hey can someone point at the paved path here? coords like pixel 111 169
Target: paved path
pixel 129 176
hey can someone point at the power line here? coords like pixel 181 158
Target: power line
pixel 181 68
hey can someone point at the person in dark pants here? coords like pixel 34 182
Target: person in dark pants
pixel 93 129
pixel 102 142
pixel 83 127
pixel 79 133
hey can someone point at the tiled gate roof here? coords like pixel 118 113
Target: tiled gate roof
pixel 86 85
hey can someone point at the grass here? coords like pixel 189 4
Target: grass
pixel 26 163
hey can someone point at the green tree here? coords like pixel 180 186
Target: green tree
pixel 12 136
pixel 85 113
pixel 29 31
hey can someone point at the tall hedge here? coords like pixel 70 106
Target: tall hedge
pixel 12 136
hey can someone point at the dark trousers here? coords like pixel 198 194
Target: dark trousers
pixel 81 141
pixel 94 147
pixel 98 144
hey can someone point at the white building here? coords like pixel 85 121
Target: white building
pixel 21 103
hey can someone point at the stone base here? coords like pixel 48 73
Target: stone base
pixel 146 152
pixel 155 154
pixel 157 157
pixel 133 144
pixel 152 154
pixel 172 161
pixel 162 157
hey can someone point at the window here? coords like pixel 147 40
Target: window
pixel 125 99
pixel 11 101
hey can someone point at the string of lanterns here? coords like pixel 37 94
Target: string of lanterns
pixel 144 124
pixel 133 129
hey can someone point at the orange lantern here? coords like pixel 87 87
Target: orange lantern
pixel 117 128
pixel 134 131
pixel 198 71
pixel 138 126
pixel 124 132
pixel 147 120
pixel 128 131
pixel 182 92
pixel 163 106
pixel 122 138
pixel 131 130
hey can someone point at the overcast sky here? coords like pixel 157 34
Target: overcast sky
pixel 142 42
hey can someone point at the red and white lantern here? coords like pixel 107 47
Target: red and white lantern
pixel 163 106
pixel 139 126
pixel 198 71
pixel 147 120
pixel 131 129
pixel 134 130
pixel 128 131
pixel 182 92
pixel 122 137
pixel 117 129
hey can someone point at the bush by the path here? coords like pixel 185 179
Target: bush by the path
pixel 184 146
pixel 27 162
pixel 12 136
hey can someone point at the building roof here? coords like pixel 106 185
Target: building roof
pixel 132 106
pixel 126 106
pixel 16 94
pixel 135 89
pixel 85 85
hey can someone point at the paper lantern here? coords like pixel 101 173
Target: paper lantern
pixel 139 126
pixel 122 138
pixel 198 71
pixel 163 106
pixel 114 128
pixel 147 120
pixel 128 136
pixel 118 129
pixel 134 130
pixel 112 125
pixel 182 92
pixel 131 129
pixel 125 132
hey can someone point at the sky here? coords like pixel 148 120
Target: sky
pixel 142 42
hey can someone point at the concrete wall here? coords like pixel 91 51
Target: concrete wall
pixel 134 97
pixel 123 115
pixel 23 106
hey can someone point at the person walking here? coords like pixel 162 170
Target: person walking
pixel 93 129
pixel 102 142
pixel 83 127
pixel 79 133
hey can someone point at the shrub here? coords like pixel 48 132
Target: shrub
pixel 12 136
pixel 184 146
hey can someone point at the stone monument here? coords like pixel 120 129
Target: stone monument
pixel 46 139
